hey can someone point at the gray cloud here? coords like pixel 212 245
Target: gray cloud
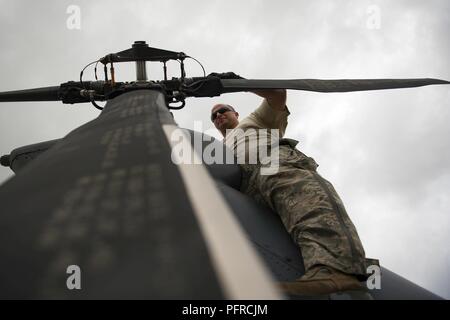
pixel 387 152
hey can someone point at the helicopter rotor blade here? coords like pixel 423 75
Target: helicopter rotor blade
pixel 38 94
pixel 71 92
pixel 319 85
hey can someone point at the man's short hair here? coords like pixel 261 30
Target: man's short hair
pixel 231 107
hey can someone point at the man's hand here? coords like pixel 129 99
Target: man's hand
pixel 275 97
pixel 225 75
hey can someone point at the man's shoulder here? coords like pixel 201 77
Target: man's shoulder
pixel 246 122
pixel 251 121
pixel 245 126
pixel 263 117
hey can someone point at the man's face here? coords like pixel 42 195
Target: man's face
pixel 224 117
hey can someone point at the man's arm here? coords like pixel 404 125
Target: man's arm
pixel 275 97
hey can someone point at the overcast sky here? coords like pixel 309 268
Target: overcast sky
pixel 386 152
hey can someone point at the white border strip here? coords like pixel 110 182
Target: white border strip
pixel 239 269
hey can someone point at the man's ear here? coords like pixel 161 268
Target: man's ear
pixel 237 114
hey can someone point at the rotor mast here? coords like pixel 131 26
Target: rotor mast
pixel 141 67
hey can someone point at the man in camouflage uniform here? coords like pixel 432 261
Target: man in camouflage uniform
pixel 308 205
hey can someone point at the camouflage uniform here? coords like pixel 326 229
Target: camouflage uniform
pixel 310 209
pixel 308 205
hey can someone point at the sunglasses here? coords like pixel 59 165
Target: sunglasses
pixel 221 111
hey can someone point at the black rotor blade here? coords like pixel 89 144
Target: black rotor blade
pixel 318 85
pixel 38 94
